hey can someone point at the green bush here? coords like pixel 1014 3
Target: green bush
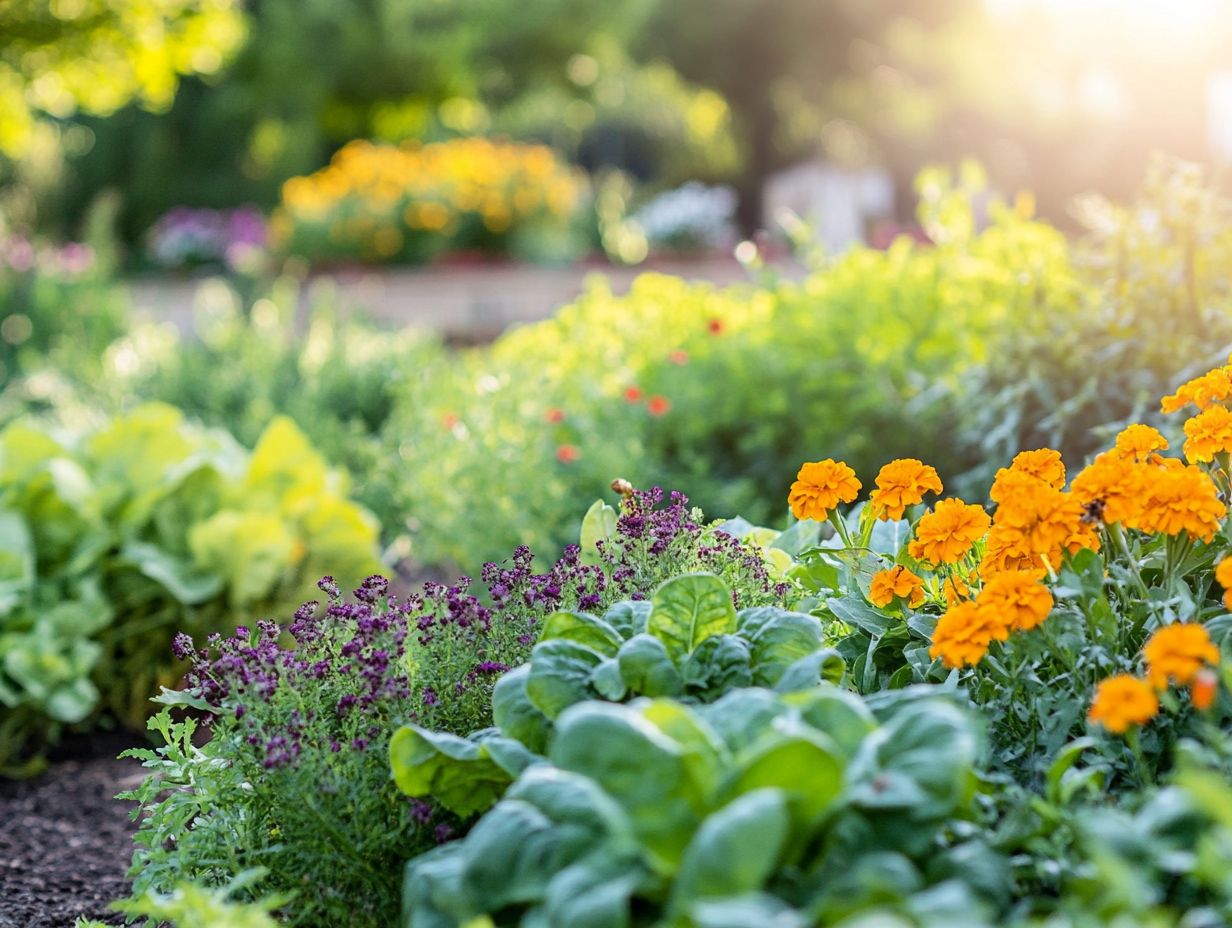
pixel 721 390
pixel 116 537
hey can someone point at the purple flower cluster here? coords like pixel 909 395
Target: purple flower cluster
pixel 343 679
pixel 207 236
pixel 70 260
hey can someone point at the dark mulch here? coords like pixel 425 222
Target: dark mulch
pixel 65 844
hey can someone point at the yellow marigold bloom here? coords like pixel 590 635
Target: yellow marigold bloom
pixel 899 582
pixel 945 535
pixel 1006 548
pixel 1223 573
pixel 1110 490
pixel 1121 701
pixel 1208 433
pixel 820 486
pixel 1043 516
pixel 1010 483
pixel 1177 653
pixel 1138 442
pixel 1212 387
pixel 963 634
pixel 1179 500
pixel 956 589
pixel 1017 598
pixel 900 484
pixel 1044 464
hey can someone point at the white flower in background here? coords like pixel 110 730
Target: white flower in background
pixel 691 216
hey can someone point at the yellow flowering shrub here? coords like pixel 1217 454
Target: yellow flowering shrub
pixel 410 203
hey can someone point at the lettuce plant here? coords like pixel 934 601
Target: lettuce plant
pixel 114 538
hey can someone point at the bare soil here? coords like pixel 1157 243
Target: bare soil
pixel 65 843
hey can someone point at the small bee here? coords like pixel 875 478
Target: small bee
pixel 1093 512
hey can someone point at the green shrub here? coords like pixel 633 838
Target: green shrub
pixel 118 536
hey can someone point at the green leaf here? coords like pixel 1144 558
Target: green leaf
pixel 798 537
pixel 515 715
pixel 647 669
pixel 1060 766
pixel 856 612
pixel 688 609
pixel 17 572
pixel 640 767
pixel 190 584
pixel 742 716
pixel 560 675
pixel 598 525
pixel 840 714
pixel 735 850
pixel 719 664
pixel 607 681
pixel 584 629
pixel 455 772
pixel 628 617
pixel 797 759
pixel 777 639
pixel 758 909
pixel 826 665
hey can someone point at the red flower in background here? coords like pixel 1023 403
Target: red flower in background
pixel 633 394
pixel 658 405
pixel 555 415
pixel 716 326
pixel 448 420
pixel 567 454
pixel 679 356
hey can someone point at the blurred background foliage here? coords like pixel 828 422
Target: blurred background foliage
pixel 1056 99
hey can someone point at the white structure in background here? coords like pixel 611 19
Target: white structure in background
pixel 1219 115
pixel 839 204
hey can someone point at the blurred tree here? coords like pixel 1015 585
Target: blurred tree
pixel 787 67
pixel 95 56
pixel 317 73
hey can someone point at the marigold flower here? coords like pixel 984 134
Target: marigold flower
pixel 1223 573
pixel 1110 490
pixel 1177 653
pixel 567 454
pixel 1182 499
pixel 956 589
pixel 1138 442
pixel 1212 387
pixel 1204 689
pixel 1017 598
pixel 945 535
pixel 820 486
pixel 1044 464
pixel 963 634
pixel 633 394
pixel 900 484
pixel 1006 548
pixel 899 582
pixel 658 405
pixel 1043 516
pixel 1121 701
pixel 1207 434
pixel 555 415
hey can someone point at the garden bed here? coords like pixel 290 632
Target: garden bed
pixel 65 845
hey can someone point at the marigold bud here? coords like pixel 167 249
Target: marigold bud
pixel 1204 689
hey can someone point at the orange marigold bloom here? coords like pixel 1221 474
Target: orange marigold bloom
pixel 1204 689
pixel 1044 516
pixel 1208 433
pixel 899 582
pixel 945 535
pixel 1121 701
pixel 1223 573
pixel 1006 548
pixel 1110 489
pixel 820 486
pixel 1212 387
pixel 1177 653
pixel 900 484
pixel 963 634
pixel 956 589
pixel 1017 598
pixel 1045 464
pixel 1182 499
pixel 1137 442
pixel 1009 483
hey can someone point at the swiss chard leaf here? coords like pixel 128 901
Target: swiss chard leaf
pixel 688 609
